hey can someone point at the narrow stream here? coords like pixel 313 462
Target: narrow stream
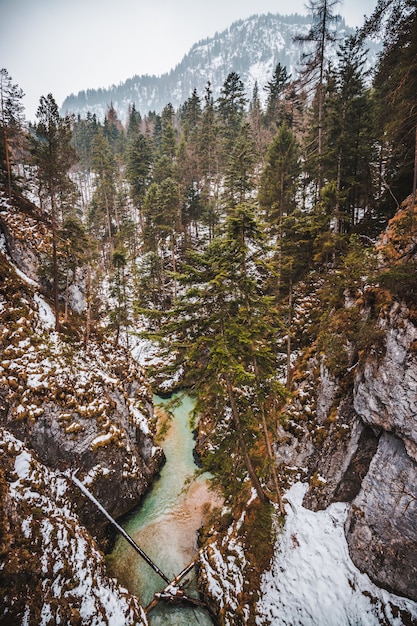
pixel 165 526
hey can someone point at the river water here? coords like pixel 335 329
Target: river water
pixel 165 525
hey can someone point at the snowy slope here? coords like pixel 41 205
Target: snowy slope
pixel 313 582
pixel 250 47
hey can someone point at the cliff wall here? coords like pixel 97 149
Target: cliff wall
pixel 64 407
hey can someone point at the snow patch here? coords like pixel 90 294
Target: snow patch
pixel 46 314
pixel 313 580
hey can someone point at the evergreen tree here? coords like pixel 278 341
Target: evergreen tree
pixel 224 336
pixel 76 250
pixel 168 132
pixel 84 132
pixel 348 137
pixel 208 151
pixel 276 90
pixel 119 312
pixel 114 133
pixel 133 123
pixel 11 112
pixel 231 106
pixel 278 188
pixel 395 88
pixel 139 159
pixel 191 112
pixel 53 156
pixel 255 121
pixel 239 176
pixel 321 35
pixel 102 217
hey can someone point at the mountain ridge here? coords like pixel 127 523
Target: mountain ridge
pixel 252 47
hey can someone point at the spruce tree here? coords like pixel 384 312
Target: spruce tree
pixel 277 191
pixel 223 334
pixel 53 156
pixel 102 215
pixel 276 90
pixel 320 35
pixel 239 175
pixel 395 90
pixel 348 138
pixel 139 160
pixel 231 106
pixel 11 118
pixel 209 157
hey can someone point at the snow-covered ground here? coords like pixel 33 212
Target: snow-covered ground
pixel 313 582
pixel 72 574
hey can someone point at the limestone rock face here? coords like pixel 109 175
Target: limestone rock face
pixel 357 442
pixel 381 526
pixel 52 570
pixel 80 406
pixel 386 390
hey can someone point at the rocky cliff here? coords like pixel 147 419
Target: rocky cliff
pixel 360 445
pixel 64 407
pixel 348 433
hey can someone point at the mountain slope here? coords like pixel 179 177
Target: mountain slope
pixel 250 47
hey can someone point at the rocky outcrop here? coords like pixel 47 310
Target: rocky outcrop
pixel 79 409
pixel 360 447
pixel 52 571
pixel 381 526
pixel 386 389
pixel 85 408
pixel 65 406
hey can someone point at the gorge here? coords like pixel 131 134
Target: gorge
pixel 253 262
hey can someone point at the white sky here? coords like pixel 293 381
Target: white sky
pixel 65 46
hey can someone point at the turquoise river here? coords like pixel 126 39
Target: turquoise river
pixel 165 525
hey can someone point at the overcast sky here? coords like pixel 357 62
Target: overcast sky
pixel 65 46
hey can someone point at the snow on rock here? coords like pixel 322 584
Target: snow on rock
pixel 52 571
pixel 46 315
pixel 313 581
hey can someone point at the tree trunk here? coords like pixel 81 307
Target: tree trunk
pixel 88 308
pixel 246 458
pixel 288 382
pixel 54 258
pixel 413 202
pixel 8 168
pixel 269 448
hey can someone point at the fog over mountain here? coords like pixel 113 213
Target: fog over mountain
pixel 250 47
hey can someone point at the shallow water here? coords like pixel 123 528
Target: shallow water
pixel 165 526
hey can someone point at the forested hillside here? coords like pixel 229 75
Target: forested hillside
pixel 252 47
pixel 258 252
